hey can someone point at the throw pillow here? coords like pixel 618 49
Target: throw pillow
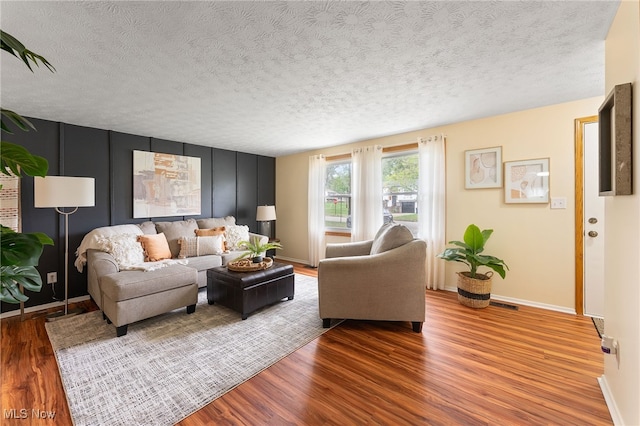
pixel 235 234
pixel 212 232
pixel 155 247
pixel 125 249
pixel 200 246
pixel 175 230
pixel 393 236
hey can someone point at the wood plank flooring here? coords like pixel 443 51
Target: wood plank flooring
pixel 492 366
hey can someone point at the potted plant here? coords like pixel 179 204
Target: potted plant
pixel 19 252
pixel 474 288
pixel 255 250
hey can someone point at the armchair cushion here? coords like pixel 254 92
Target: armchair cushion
pixel 360 248
pixel 391 237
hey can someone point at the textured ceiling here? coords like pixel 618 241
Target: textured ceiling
pixel 275 78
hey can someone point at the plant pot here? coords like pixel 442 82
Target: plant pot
pixel 256 259
pixel 474 292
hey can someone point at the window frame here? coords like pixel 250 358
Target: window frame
pixel 338 159
pixel 405 149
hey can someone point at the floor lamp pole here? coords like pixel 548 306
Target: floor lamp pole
pixel 66 266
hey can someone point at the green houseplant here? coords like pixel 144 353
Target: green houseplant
pixel 19 253
pixel 255 250
pixel 474 288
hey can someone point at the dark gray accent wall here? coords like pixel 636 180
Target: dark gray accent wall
pixel 224 183
pixel 122 146
pixel 84 151
pixel 247 179
pixel 267 191
pixel 232 184
pixel 206 173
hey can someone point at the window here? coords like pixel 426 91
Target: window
pixel 337 203
pixel 400 172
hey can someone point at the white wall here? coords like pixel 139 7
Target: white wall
pixel 621 384
pixel 536 242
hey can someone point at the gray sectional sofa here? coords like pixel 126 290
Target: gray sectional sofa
pixel 127 292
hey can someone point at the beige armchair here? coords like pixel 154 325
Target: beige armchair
pixel 382 279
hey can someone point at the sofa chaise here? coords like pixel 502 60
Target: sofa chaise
pixel 137 271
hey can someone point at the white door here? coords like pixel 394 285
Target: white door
pixel 593 226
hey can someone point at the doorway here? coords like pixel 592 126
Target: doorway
pixel 589 221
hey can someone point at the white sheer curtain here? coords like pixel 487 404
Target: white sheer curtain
pixel 431 206
pixel 317 166
pixel 366 192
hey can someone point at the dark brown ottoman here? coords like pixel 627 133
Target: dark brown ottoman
pixel 245 292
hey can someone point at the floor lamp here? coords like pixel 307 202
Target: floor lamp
pixel 265 215
pixel 61 192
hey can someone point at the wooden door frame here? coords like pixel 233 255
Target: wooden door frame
pixel 579 208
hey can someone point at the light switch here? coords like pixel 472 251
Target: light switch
pixel 558 202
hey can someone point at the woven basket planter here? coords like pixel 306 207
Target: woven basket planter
pixel 474 292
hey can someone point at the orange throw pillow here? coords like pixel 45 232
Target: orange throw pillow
pixel 155 247
pixel 212 232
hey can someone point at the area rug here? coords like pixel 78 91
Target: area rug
pixel 166 368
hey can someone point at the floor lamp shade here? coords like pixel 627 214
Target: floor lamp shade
pixel 64 191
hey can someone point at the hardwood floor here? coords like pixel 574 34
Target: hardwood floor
pixel 471 367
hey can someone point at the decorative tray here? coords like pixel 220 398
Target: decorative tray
pixel 245 265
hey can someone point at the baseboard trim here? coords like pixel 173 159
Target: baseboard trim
pixel 37 308
pixel 291 259
pixel 611 403
pixel 524 302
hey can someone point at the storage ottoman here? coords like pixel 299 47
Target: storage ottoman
pixel 246 292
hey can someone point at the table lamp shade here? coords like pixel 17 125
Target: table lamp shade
pixel 64 191
pixel 266 213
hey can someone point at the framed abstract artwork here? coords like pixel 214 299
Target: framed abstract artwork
pixel 615 142
pixel 526 181
pixel 483 168
pixel 165 185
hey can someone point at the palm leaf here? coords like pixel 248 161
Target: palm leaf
pixel 17 119
pixel 10 44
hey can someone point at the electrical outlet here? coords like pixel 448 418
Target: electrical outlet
pixel 558 202
pixel 52 277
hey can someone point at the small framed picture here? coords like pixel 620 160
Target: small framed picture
pixel 483 168
pixel 526 181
